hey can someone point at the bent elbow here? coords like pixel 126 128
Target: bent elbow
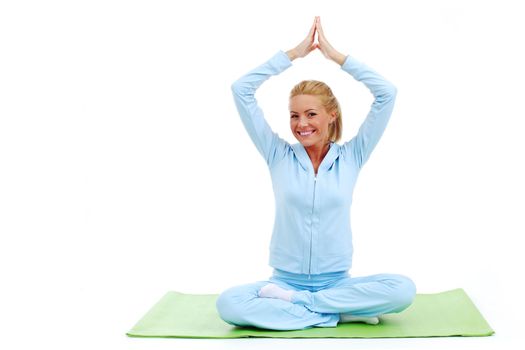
pixel 391 91
pixel 238 87
pixel 387 94
pixel 235 87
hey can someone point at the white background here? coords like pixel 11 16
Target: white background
pixel 125 170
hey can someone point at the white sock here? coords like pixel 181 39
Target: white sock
pixel 274 291
pixel 350 318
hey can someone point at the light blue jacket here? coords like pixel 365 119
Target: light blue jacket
pixel 312 232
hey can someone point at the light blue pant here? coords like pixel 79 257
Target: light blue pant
pixel 318 300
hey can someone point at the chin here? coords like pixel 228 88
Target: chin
pixel 308 142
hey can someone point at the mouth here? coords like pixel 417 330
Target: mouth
pixel 306 133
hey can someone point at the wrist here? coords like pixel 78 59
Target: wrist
pixel 292 55
pixel 338 58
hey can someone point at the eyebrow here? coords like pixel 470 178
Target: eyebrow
pixel 311 109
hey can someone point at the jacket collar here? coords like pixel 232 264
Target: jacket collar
pixel 305 161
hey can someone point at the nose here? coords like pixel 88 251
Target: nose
pixel 303 121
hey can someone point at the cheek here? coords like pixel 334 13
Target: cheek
pixel 325 124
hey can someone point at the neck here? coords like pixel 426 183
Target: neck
pixel 318 151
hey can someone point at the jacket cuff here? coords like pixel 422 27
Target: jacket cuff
pixel 351 65
pixel 280 61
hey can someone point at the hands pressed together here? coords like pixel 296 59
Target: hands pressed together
pixel 307 45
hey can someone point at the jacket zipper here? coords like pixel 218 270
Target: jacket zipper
pixel 311 229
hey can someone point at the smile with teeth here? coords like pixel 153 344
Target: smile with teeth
pixel 306 133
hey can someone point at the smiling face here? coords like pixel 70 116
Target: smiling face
pixel 309 120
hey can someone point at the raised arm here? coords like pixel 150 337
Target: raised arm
pixel 268 143
pixel 361 145
pixel 371 130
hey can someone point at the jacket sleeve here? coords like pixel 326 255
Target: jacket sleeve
pixel 267 142
pixel 361 145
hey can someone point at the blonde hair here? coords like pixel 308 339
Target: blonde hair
pixel 328 101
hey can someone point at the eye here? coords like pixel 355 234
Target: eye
pixel 293 116
pixel 312 114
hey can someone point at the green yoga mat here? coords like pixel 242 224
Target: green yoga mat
pixel 449 313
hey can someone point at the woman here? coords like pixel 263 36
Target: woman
pixel 313 181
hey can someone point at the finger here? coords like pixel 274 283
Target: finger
pixel 312 30
pixel 319 27
pixel 322 37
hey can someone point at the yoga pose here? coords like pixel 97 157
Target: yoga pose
pixel 313 181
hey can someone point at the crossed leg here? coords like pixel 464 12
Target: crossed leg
pixel 242 306
pixel 358 296
pixel 361 296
